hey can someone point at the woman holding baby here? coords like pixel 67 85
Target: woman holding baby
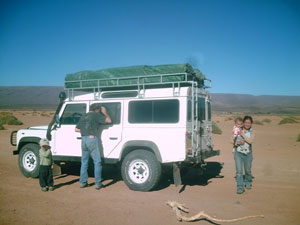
pixel 243 155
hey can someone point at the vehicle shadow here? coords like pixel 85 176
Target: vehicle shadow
pixel 193 176
pixel 190 176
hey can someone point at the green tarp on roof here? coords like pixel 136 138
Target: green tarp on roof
pixel 128 76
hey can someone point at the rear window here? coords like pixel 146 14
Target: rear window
pixel 154 111
pixel 201 109
pixel 209 110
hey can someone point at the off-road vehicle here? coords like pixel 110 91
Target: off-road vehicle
pixel 161 117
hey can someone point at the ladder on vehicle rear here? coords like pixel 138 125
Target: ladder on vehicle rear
pixel 195 128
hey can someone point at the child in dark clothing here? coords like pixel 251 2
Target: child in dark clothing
pixel 46 166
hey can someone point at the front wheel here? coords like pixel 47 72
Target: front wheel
pixel 140 170
pixel 29 160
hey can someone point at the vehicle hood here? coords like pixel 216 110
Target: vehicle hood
pixel 38 128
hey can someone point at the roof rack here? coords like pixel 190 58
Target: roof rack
pixel 140 83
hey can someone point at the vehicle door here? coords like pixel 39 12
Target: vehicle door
pixel 111 134
pixel 67 142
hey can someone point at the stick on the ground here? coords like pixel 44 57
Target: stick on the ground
pixel 177 207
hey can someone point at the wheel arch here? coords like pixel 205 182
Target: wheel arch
pixel 27 140
pixel 140 144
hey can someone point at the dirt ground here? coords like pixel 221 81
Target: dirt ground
pixel 275 193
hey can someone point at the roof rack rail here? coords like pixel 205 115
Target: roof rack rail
pixel 140 83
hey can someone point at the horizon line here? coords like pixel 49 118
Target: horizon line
pixel 229 93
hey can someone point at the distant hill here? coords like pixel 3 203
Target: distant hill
pixel 46 98
pixel 29 97
pixel 256 104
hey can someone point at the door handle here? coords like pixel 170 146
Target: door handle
pixel 113 138
pixel 79 138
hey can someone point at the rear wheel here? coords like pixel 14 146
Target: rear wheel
pixel 29 160
pixel 140 170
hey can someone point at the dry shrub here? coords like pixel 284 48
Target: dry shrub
pixel 288 120
pixel 15 122
pixel 228 119
pixel 9 118
pixel 258 122
pixel 3 114
pixel 215 128
pixel 45 114
pixel 1 127
pixel 294 118
pixel 266 120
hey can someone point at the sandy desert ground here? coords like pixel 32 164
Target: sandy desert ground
pixel 275 193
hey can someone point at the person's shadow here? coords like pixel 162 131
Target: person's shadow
pixel 109 172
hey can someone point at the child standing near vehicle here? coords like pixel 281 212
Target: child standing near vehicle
pixel 46 166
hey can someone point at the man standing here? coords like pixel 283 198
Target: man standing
pixel 88 126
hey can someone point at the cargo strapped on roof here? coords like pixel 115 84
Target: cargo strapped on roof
pixel 134 76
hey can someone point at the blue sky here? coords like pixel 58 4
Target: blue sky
pixel 247 47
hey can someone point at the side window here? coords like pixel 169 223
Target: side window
pixel 140 112
pixel 125 94
pixel 114 110
pixel 156 111
pixel 72 114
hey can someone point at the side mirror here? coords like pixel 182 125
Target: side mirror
pixel 62 96
pixel 57 119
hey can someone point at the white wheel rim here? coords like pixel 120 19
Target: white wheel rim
pixel 29 161
pixel 138 171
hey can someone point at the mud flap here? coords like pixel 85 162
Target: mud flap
pixel 176 175
pixel 56 170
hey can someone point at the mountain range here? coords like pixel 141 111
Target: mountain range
pixel 46 98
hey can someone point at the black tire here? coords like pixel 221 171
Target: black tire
pixel 140 170
pixel 29 160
